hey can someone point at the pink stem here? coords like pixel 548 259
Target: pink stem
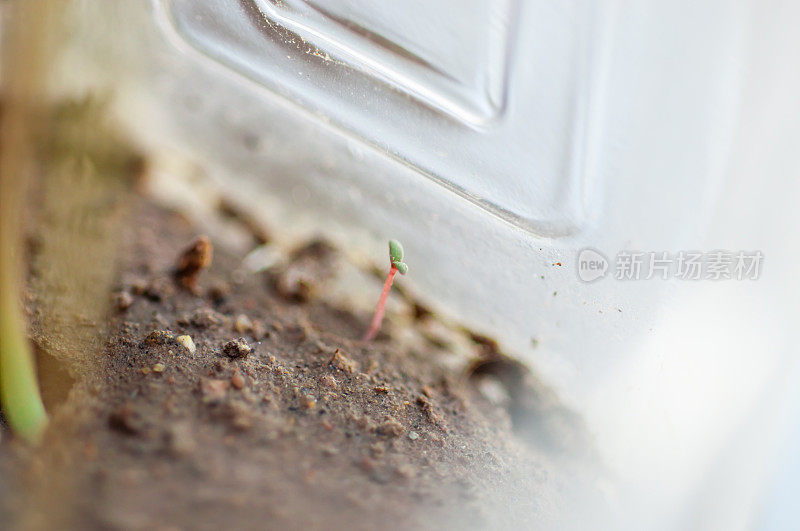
pixel 378 317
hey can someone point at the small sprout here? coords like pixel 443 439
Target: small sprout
pixel 396 256
pixel 397 264
pixel 395 251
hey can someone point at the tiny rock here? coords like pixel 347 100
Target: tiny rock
pixel 219 292
pixel 125 420
pixel 308 401
pixel 236 348
pixel 213 390
pixel 366 464
pixel 237 380
pixel 124 300
pixel 187 343
pixel 180 439
pixel 342 362
pixel 202 318
pixel 159 289
pixel 258 330
pixel 405 471
pixel 329 451
pixel 377 449
pixel 364 423
pixel 194 259
pixel 240 418
pixel 390 427
pixel 158 367
pixel 138 286
pixel 158 337
pixel 328 381
pixel 243 324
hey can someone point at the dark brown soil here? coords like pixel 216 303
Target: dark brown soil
pixel 280 418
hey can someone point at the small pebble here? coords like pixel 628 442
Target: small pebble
pixel 236 348
pixel 124 300
pixel 138 286
pixel 126 420
pixel 202 318
pixel 258 330
pixel 187 342
pixel 158 367
pixel 219 292
pixel 180 439
pixel 242 324
pixel 390 427
pixel 405 471
pixel 239 417
pixel 237 380
pixel 158 337
pixel 308 401
pixel 328 381
pixel 342 362
pixel 377 449
pixel 413 435
pixel 159 289
pixel 213 390
pixel 329 450
pixel 192 260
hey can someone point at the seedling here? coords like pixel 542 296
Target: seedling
pixel 396 260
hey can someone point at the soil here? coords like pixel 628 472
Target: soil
pixel 247 400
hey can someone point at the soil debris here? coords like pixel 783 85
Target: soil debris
pixel 242 324
pixel 219 292
pixel 159 289
pixel 342 362
pixel 125 420
pixel 187 343
pixel 255 328
pixel 194 259
pixel 308 401
pixel 159 337
pixel 328 381
pixel 237 380
pixel 390 427
pixel 309 267
pixel 123 300
pixel 237 348
pixel 213 390
pixel 249 221
pixel 180 440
